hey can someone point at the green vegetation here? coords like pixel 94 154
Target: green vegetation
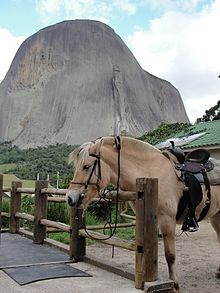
pixel 164 132
pixel 8 178
pixel 27 163
pixel 211 114
pixel 61 212
pixel 63 237
pixel 4 168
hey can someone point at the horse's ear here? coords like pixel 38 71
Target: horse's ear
pixel 93 149
pixel 73 155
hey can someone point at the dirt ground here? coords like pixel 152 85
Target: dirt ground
pixel 198 257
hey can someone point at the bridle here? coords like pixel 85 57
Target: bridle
pixel 97 163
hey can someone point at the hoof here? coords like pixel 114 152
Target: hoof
pixel 176 288
pixel 217 274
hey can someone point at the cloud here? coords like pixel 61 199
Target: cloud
pixel 49 10
pixel 125 5
pixel 183 5
pixel 8 48
pixel 184 49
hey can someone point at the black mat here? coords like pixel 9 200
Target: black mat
pixel 26 262
pixel 29 274
pixel 17 250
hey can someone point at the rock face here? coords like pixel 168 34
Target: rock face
pixel 75 81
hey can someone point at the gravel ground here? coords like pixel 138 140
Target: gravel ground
pixel 197 260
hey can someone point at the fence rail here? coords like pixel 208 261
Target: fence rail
pixel 145 245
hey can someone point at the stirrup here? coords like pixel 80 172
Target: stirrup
pixel 192 229
pixel 190 225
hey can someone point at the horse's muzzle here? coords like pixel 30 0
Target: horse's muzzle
pixel 70 201
pixel 74 198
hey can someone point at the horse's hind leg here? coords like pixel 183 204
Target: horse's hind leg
pixel 167 227
pixel 215 221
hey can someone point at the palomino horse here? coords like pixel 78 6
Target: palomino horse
pixel 96 165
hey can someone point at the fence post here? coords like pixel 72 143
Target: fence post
pixel 1 196
pixel 40 211
pixel 15 207
pixel 77 243
pixel 146 231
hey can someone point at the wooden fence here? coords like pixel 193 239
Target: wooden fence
pixel 145 246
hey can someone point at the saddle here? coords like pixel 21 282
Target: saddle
pixel 193 167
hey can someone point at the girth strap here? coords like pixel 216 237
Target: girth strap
pixel 208 201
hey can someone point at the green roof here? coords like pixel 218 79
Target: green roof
pixel 210 137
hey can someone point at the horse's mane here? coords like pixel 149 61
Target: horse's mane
pixel 139 143
pixel 81 153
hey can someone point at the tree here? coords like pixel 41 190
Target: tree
pixel 212 114
pixel 164 131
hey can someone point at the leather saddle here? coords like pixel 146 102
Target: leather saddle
pixel 197 161
pixel 194 167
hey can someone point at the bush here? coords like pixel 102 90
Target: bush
pixel 59 212
pixel 5 208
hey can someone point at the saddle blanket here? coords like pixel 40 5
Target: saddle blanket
pixel 214 175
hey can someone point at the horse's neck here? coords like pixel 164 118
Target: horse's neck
pixel 138 149
pixel 135 156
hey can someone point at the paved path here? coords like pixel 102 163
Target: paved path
pixel 100 282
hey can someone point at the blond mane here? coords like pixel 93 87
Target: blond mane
pixel 80 154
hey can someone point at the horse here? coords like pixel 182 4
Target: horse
pixel 97 164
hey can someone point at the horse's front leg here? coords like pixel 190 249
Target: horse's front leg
pixel 215 221
pixel 217 274
pixel 167 227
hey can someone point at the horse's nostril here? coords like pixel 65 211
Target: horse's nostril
pixel 70 200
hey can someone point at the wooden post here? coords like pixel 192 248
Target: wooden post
pixel 77 243
pixel 15 207
pixel 40 212
pixel 1 195
pixel 146 231
pixel 139 269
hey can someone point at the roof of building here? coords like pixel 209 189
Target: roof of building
pixel 204 134
pixel 210 137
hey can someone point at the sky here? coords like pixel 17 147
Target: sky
pixel 176 40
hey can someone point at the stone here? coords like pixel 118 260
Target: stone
pixel 77 80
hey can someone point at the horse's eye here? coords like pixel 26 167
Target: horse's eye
pixel 85 167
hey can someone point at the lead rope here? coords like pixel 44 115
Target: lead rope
pixel 113 230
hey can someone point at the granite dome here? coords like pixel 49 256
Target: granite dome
pixel 77 80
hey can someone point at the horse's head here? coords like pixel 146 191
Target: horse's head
pixel 90 176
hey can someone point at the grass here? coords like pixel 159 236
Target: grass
pixel 126 233
pixel 7 167
pixel 63 237
pixel 8 178
pixel 61 212
pixel 91 219
pixel 123 233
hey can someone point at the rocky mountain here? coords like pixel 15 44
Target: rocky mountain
pixel 75 81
